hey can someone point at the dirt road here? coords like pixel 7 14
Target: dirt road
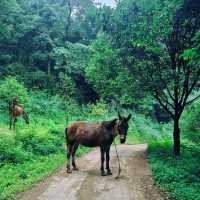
pixel 135 182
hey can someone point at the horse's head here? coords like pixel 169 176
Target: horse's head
pixel 123 127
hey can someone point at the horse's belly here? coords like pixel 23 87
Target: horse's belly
pixel 89 140
pixel 87 144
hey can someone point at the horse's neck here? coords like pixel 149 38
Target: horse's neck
pixel 11 106
pixel 115 129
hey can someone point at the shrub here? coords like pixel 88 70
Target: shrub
pixel 38 141
pixel 11 151
pixel 191 123
pixel 96 110
pixel 10 88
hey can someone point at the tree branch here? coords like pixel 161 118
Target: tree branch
pixel 191 88
pixel 185 85
pixel 163 105
pixel 167 88
pixel 192 100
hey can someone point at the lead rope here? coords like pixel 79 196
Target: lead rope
pixel 119 169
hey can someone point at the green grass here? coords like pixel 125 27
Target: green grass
pixel 178 177
pixel 32 152
pixel 29 155
pixel 17 178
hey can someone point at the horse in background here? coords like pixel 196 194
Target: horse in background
pixel 96 134
pixel 16 111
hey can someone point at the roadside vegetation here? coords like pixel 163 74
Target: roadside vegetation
pixel 179 177
pixel 34 151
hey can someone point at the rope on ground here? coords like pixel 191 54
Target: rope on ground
pixel 119 169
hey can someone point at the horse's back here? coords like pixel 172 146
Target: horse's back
pixel 82 126
pixel 84 133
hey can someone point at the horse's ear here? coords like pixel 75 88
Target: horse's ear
pixel 120 117
pixel 129 116
pixel 110 124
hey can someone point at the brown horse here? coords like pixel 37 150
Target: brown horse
pixel 96 134
pixel 16 111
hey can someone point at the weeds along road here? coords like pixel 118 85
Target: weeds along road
pixel 135 182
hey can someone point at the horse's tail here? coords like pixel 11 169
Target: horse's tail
pixel 66 136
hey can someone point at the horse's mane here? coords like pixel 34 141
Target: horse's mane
pixel 109 124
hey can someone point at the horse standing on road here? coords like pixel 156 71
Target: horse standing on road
pixel 96 134
pixel 15 111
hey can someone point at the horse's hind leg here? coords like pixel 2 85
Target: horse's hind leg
pixel 11 121
pixel 69 151
pixel 14 122
pixel 75 147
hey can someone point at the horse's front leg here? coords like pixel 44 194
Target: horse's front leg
pixel 107 161
pixel 75 147
pixel 103 173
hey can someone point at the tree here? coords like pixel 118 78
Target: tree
pixel 170 77
pixel 151 38
pixel 33 33
pixel 111 80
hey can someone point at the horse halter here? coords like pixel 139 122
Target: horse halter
pixel 121 135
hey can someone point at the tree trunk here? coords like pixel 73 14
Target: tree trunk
pixel 49 68
pixel 176 136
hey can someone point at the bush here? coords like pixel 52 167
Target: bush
pixel 40 103
pixel 95 110
pixel 191 123
pixel 10 88
pixel 38 141
pixel 11 151
pixel 28 142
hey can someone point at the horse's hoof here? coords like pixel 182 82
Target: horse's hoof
pixel 75 168
pixel 109 172
pixel 103 173
pixel 69 171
